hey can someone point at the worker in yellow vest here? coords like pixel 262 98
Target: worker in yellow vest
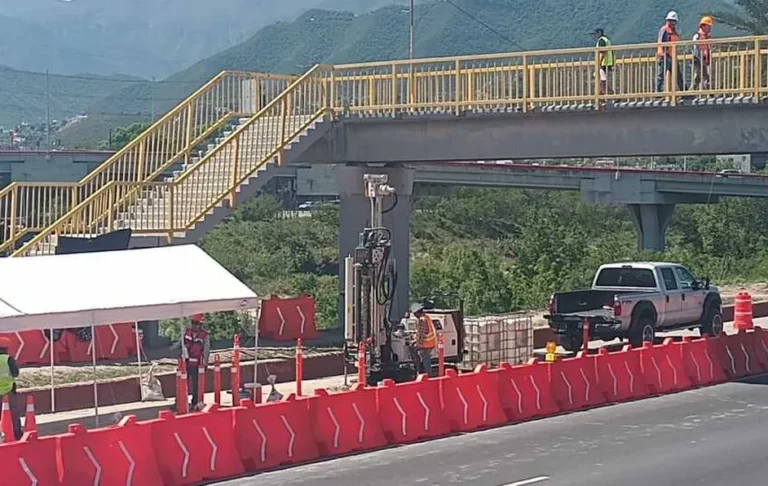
pixel 605 59
pixel 9 371
pixel 426 337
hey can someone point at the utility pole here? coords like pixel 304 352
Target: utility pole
pixel 48 111
pixel 411 13
pixel 152 86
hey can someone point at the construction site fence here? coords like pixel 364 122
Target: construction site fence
pixel 219 443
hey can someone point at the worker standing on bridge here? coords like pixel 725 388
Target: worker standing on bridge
pixel 605 59
pixel 702 53
pixel 195 347
pixel 666 54
pixel 9 371
pixel 426 337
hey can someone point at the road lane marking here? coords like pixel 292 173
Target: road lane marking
pixel 526 482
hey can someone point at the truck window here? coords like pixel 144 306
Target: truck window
pixel 626 277
pixel 669 279
pixel 686 279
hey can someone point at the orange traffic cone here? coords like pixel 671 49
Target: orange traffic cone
pixel 30 423
pixel 6 421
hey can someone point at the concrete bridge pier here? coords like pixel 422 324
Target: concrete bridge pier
pixel 651 222
pixel 354 215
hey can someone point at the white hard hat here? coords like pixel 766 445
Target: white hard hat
pixel 672 15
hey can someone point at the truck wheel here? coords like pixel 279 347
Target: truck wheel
pixel 712 322
pixel 571 342
pixel 642 330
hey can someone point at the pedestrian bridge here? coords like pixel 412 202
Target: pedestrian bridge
pixel 229 137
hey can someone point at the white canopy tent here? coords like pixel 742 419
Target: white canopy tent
pixel 95 289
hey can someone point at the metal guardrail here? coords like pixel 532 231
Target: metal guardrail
pixel 513 82
pixel 527 81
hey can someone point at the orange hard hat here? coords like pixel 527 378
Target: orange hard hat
pixel 706 20
pixel 199 318
pixel 5 342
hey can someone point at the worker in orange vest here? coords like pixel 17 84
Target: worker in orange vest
pixel 9 371
pixel 195 348
pixel 426 338
pixel 702 53
pixel 665 53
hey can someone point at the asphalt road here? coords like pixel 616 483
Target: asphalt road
pixel 707 437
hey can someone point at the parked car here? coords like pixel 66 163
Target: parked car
pixel 633 301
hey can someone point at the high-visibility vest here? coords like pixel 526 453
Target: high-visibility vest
pixel 195 344
pixel 608 57
pixel 672 36
pixel 431 338
pixel 6 378
pixel 702 50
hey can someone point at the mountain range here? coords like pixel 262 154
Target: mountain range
pixel 138 37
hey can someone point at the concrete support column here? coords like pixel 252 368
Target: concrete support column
pixel 354 215
pixel 651 222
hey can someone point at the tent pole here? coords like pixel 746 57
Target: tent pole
pixel 95 384
pixel 138 351
pixel 256 346
pixel 53 389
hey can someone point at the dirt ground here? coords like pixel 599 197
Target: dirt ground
pixel 83 373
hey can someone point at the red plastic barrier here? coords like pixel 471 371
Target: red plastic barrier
pixel 30 461
pixel 113 342
pixel 195 447
pixel 574 383
pixel 738 354
pixel 274 434
pixel 663 368
pixel 410 411
pixel 760 340
pixel 524 390
pixel 471 400
pixel 345 422
pixel 619 375
pixel 116 455
pixel 288 319
pixel 31 347
pixel 701 364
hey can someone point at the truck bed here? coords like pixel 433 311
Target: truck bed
pixel 584 303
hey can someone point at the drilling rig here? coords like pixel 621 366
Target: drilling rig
pixel 370 280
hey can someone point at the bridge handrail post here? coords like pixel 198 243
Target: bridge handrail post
pixel 757 72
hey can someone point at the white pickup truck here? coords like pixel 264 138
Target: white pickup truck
pixel 634 301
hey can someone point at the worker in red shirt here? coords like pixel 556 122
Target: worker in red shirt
pixel 195 348
pixel 666 54
pixel 702 53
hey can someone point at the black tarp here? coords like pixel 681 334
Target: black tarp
pixel 115 240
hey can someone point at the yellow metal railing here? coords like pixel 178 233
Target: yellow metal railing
pixel 171 208
pixel 169 140
pixel 529 80
pixel 521 82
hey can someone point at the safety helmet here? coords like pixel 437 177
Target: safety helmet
pixel 5 342
pixel 672 15
pixel 198 318
pixel 417 307
pixel 706 20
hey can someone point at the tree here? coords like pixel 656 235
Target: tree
pixel 748 15
pixel 122 136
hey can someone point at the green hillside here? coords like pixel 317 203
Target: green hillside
pixel 441 30
pixel 24 96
